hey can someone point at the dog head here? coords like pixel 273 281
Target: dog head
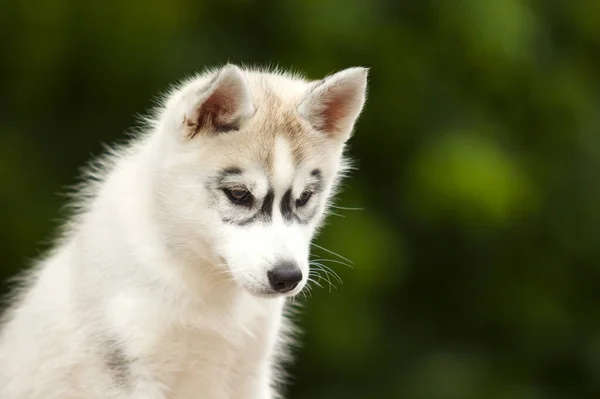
pixel 250 161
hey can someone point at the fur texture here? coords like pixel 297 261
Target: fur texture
pixel 171 279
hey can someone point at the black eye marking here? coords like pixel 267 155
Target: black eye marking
pixel 316 173
pixel 286 206
pixel 239 196
pixel 304 197
pixel 266 211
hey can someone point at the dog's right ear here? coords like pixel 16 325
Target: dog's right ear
pixel 220 106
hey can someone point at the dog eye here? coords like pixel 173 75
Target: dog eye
pixel 239 196
pixel 304 197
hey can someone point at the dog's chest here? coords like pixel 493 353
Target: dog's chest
pixel 221 364
pixel 206 364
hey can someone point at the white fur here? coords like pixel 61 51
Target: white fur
pixel 148 293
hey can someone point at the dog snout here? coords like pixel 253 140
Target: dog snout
pixel 285 276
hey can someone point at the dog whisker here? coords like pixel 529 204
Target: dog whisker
pixel 346 208
pixel 332 261
pixel 328 270
pixel 332 253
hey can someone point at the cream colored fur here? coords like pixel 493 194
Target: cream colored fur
pixel 158 287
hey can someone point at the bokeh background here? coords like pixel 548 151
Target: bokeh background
pixel 476 253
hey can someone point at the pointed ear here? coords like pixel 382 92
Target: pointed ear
pixel 333 105
pixel 223 103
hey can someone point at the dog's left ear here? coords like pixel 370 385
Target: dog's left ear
pixel 334 104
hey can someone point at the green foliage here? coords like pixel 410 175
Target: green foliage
pixel 476 264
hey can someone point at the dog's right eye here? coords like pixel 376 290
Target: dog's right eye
pixel 239 196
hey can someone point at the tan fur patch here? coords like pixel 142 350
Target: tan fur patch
pixel 276 99
pixel 279 119
pixel 275 118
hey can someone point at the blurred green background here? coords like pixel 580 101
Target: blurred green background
pixel 476 258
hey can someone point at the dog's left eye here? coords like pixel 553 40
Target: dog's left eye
pixel 239 196
pixel 304 197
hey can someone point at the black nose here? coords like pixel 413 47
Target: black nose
pixel 285 276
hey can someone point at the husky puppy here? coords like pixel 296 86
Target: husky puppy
pixel 170 280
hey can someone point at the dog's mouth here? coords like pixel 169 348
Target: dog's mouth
pixel 269 293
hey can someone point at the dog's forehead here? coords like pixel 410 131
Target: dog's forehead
pixel 283 165
pixel 276 141
pixel 277 138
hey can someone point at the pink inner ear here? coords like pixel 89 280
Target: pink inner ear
pixel 212 112
pixel 216 113
pixel 335 111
